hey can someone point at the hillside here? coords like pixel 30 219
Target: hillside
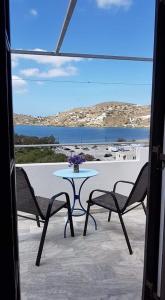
pixel 107 114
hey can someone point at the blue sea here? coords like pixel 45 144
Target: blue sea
pixel 84 134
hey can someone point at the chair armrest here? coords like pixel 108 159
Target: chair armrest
pixel 58 195
pixel 54 198
pixel 112 194
pixel 122 181
pixel 98 190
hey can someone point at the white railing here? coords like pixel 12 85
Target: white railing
pixel 79 144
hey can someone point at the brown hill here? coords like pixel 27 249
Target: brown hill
pixel 106 114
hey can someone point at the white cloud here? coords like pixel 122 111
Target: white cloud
pixel 45 59
pixel 14 61
pixel 40 82
pixel 14 64
pixel 51 73
pixel 30 72
pixel 56 66
pixel 114 3
pixel 33 12
pixel 19 84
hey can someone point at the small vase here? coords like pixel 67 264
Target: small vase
pixel 76 168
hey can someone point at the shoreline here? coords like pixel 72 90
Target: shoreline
pixel 96 127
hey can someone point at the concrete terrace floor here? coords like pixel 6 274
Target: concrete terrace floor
pixel 95 267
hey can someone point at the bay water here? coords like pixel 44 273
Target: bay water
pixel 84 134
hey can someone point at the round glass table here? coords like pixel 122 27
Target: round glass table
pixel 70 176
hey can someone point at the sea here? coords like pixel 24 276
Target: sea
pixel 66 135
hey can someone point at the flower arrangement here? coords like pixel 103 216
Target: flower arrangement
pixel 76 160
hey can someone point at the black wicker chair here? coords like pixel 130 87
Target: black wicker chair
pixel 42 208
pixel 119 203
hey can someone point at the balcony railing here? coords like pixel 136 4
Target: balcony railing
pixel 46 184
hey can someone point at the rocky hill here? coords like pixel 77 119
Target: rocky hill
pixel 107 114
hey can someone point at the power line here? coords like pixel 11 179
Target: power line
pixel 80 82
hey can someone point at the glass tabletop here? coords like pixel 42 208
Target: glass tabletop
pixel 68 173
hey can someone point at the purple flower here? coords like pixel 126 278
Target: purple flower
pixel 76 160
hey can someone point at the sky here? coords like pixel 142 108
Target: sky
pixel 45 85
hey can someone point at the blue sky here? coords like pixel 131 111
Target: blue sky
pixel 47 85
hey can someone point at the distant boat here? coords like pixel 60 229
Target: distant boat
pixel 113 149
pixel 125 148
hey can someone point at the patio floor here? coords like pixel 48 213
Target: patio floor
pixel 95 267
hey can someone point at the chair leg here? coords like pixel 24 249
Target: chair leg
pixel 42 242
pixel 125 234
pixel 38 221
pixel 109 216
pixel 70 220
pixel 86 220
pixel 144 208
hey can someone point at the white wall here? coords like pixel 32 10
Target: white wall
pixel 46 184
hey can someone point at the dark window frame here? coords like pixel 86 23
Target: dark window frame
pixel 10 283
pixel 150 279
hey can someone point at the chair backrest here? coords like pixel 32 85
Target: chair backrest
pixel 139 190
pixel 26 201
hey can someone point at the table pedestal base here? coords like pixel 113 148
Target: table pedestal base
pixel 82 210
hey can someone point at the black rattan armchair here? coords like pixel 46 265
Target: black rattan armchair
pixel 119 203
pixel 42 208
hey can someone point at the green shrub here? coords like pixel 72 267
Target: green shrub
pixel 89 157
pixel 121 140
pixel 33 140
pixel 38 155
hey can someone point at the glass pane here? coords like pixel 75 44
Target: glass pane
pixel 36 24
pixel 122 27
pixel 44 88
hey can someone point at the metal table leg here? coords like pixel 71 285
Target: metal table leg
pixel 77 197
